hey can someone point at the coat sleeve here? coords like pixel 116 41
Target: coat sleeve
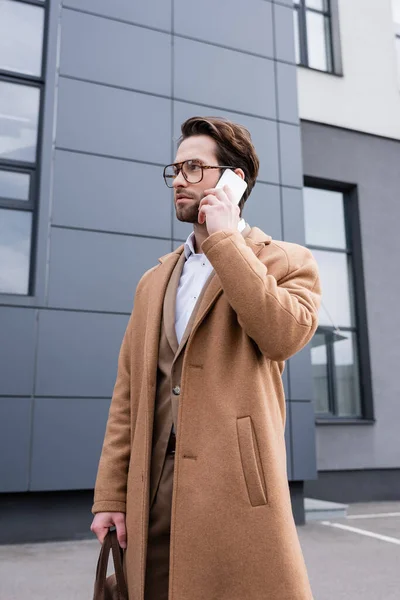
pixel 280 316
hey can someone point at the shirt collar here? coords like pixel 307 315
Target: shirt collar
pixel 189 244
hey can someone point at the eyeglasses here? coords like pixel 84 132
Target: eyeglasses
pixel 192 171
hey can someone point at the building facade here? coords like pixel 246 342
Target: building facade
pixel 92 95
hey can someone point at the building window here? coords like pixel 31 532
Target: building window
pixel 396 18
pixel 335 346
pixel 22 25
pixel 313 34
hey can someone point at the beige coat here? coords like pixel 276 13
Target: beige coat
pixel 232 532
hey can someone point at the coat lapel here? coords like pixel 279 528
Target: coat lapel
pixel 170 304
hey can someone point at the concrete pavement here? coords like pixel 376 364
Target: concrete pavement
pixel 343 564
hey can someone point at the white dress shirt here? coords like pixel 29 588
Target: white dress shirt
pixel 196 271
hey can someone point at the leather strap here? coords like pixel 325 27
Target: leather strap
pixel 100 587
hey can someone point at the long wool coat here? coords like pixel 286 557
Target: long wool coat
pixel 232 532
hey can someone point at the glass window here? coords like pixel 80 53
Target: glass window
pixel 317 42
pixel 334 347
pixel 21 37
pixel 324 218
pixel 313 23
pixel 398 55
pixel 14 185
pixel 19 115
pixel 335 276
pixel 296 36
pixel 347 376
pixel 15 250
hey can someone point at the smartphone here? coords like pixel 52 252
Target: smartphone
pixel 236 184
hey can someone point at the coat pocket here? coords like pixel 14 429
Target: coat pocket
pixel 251 462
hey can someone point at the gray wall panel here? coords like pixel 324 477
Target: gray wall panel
pixel 235 81
pixel 293 216
pixel 100 271
pixel 263 209
pixel 153 13
pixel 109 194
pixel 303 440
pixel 290 155
pixel 103 120
pixel 64 456
pixel 17 350
pixel 263 132
pixel 15 435
pixel 247 27
pixel 78 353
pixel 284 32
pixel 287 93
pixel 115 53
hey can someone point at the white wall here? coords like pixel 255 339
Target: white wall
pixel 367 97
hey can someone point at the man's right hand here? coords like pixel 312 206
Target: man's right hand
pixel 104 520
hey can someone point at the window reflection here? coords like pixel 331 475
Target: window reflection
pixel 15 247
pixel 21 37
pixel 335 277
pixel 14 185
pixel 324 218
pixel 346 376
pixel 19 114
pixel 316 41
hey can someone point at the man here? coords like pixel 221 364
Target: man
pixel 202 358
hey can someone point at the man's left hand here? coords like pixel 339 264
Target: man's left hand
pixel 219 211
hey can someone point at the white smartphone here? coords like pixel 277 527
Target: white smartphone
pixel 236 184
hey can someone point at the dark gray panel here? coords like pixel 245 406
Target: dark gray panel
pixel 293 216
pixel 303 440
pixel 224 78
pixel 64 456
pixel 290 155
pixel 115 53
pixel 111 195
pixel 154 13
pixel 301 383
pixel 287 93
pixel 263 209
pixel 15 427
pixel 100 271
pixel 284 32
pixel 78 353
pixel 248 26
pixel 104 120
pixel 263 133
pixel 17 350
pixel 288 441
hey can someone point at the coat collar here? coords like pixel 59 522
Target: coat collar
pixel 254 237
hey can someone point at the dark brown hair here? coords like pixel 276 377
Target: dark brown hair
pixel 234 146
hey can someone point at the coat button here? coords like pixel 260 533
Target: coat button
pixel 176 391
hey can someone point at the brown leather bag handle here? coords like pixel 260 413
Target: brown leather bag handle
pixel 100 587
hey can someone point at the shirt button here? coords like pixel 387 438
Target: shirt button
pixel 176 391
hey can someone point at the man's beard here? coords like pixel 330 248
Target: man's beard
pixel 188 213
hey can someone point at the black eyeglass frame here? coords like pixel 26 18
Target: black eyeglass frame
pixel 180 165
